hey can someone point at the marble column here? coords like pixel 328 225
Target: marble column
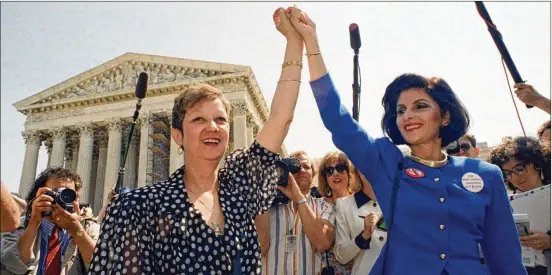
pixel 143 124
pixel 68 157
pixel 176 160
pixel 49 144
pixel 84 164
pixel 129 179
pixel 239 110
pixel 75 158
pixel 113 155
pixel 28 175
pixel 250 125
pixel 93 183
pixel 58 146
pixel 100 175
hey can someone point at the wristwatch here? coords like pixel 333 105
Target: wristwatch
pixel 301 201
pixel 80 232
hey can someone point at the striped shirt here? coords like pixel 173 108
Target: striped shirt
pixel 306 260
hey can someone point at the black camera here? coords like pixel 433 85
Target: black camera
pixel 284 166
pixel 64 197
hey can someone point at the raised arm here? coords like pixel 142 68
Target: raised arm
pixel 500 245
pixel 347 134
pixel 528 95
pixel 275 129
pixel 9 213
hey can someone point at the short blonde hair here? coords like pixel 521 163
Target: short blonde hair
pixel 340 157
pixel 190 97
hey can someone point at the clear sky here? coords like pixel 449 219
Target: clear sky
pixel 43 44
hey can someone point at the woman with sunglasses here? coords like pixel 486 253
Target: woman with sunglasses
pixel 438 208
pixel 525 165
pixel 336 180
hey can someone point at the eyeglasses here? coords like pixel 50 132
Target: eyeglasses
pixel 520 169
pixel 329 170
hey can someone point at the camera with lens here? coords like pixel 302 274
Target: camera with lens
pixel 64 197
pixel 284 167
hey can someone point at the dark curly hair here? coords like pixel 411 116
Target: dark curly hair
pixel 526 149
pixel 51 173
pixel 439 90
pixel 545 126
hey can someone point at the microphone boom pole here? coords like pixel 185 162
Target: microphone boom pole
pixel 497 38
pixel 140 92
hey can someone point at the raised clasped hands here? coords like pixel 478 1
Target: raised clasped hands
pixel 293 23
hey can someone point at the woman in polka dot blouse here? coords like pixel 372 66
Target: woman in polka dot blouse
pixel 201 220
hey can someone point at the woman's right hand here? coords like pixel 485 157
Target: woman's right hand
pixel 370 222
pixel 41 203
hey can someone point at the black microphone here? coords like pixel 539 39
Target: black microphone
pixel 354 35
pixel 140 93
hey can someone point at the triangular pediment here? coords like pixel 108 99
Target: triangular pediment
pixel 120 75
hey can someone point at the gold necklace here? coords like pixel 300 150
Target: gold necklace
pixel 430 163
pixel 217 228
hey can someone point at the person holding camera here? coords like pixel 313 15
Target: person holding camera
pixel 55 237
pixel 200 221
pixel 295 235
pixel 438 208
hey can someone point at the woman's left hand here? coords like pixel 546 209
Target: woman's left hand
pixel 68 221
pixel 537 240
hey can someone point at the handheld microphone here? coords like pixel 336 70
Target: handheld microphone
pixel 354 36
pixel 140 93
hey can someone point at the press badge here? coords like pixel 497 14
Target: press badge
pixel 292 243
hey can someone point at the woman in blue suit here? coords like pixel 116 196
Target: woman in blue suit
pixel 438 208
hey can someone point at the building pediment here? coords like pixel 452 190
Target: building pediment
pixel 117 78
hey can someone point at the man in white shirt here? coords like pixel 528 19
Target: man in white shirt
pixel 293 236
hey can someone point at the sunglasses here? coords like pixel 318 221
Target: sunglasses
pixel 465 147
pixel 329 170
pixel 520 169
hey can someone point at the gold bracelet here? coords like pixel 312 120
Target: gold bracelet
pixel 310 54
pixel 289 80
pixel 293 62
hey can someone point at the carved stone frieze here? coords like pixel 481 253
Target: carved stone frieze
pixel 125 76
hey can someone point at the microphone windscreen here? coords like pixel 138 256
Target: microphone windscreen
pixel 354 35
pixel 141 85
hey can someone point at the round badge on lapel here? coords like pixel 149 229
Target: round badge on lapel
pixel 414 173
pixel 472 182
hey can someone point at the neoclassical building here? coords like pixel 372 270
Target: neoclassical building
pixel 83 121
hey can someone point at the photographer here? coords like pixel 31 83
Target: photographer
pixel 55 237
pixel 294 235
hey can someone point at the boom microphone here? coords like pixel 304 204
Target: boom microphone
pixel 354 36
pixel 140 93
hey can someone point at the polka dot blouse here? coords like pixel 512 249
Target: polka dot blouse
pixel 156 230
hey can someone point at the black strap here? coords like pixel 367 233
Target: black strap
pixel 396 181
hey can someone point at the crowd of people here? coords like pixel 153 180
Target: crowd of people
pixel 366 209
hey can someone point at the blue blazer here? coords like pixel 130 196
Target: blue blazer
pixel 442 215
